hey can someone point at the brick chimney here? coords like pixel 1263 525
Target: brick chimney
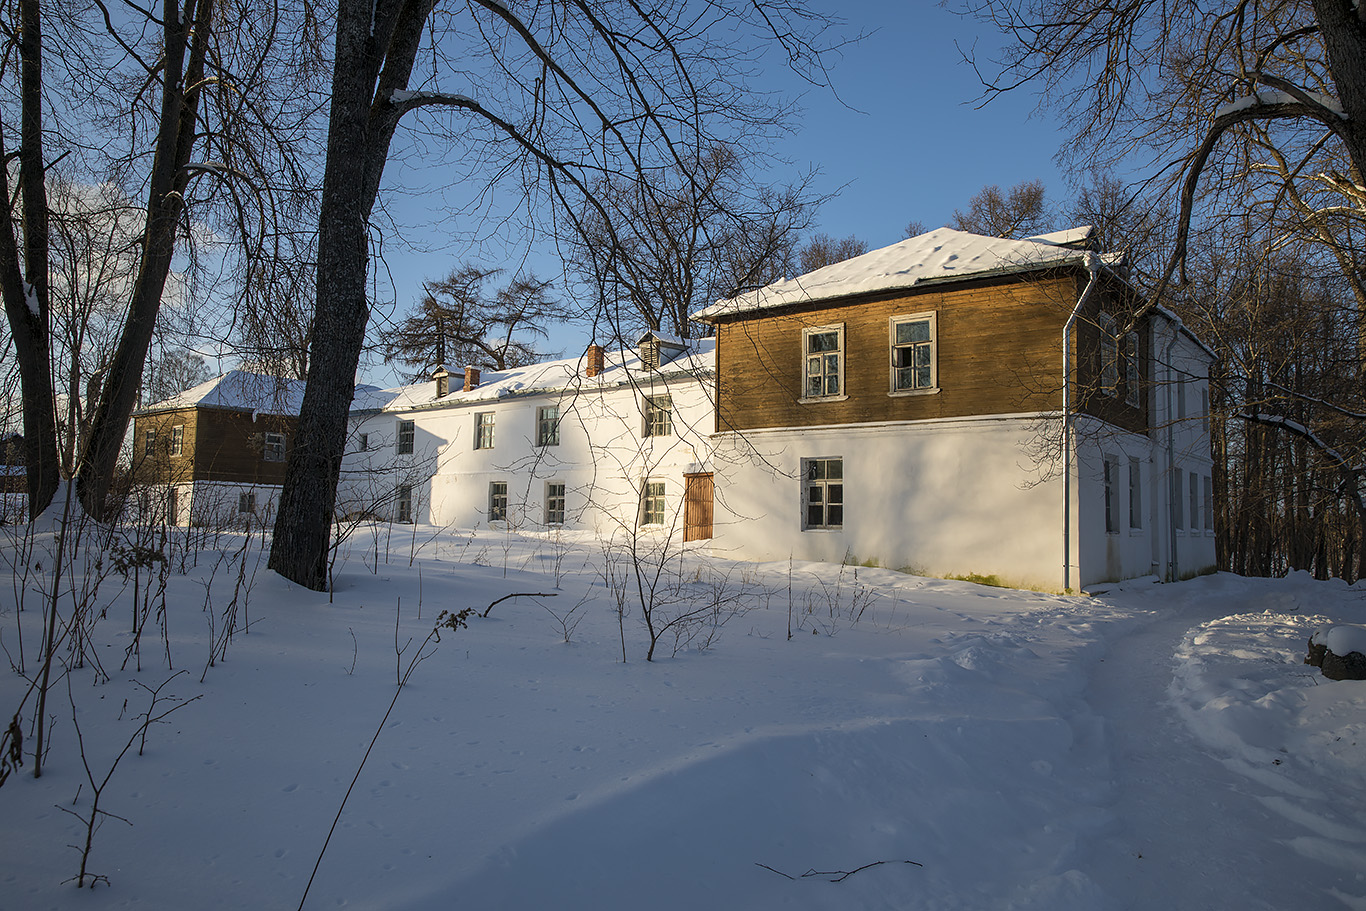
pixel 594 356
pixel 471 378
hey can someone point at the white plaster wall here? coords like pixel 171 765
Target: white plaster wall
pixel 602 457
pixel 1181 446
pixel 1128 551
pixel 941 497
pixel 207 503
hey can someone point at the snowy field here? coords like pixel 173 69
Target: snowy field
pixel 912 743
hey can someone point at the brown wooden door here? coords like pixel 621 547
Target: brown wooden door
pixel 697 507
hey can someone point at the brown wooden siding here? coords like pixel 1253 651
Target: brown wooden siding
pixel 998 348
pixel 219 445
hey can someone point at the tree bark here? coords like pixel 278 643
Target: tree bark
pixel 187 39
pixel 368 67
pixel 25 286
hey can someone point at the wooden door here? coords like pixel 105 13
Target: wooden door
pixel 697 506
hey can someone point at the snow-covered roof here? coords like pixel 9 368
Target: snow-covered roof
pixel 242 391
pixel 620 368
pixel 941 255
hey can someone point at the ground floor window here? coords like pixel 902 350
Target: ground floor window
pixel 498 501
pixel 1209 503
pixel 1135 493
pixel 554 504
pixel 246 502
pixel 823 492
pixel 652 503
pixel 403 504
pixel 1111 468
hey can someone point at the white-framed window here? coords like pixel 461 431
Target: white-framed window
pixel 1110 472
pixel 1135 494
pixel 498 501
pixel 1109 354
pixel 914 365
pixel 1178 522
pixel 364 442
pixel 1131 369
pixel 554 503
pixel 178 440
pixel 483 430
pixel 403 504
pixel 823 493
pixel 823 360
pixel 1195 501
pixel 273 449
pixel 548 425
pixel 1204 407
pixel 659 416
pixel 652 501
pixel 1209 503
pixel 404 437
pixel 1181 398
pixel 246 502
pixel 150 443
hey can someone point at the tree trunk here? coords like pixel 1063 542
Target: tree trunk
pixel 359 131
pixel 25 286
pixel 165 203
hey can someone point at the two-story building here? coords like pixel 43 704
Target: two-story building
pixel 957 404
pixel 215 454
pixel 610 441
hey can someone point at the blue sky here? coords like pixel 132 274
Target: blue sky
pixel 904 140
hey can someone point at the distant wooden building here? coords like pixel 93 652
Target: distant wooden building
pixel 215 454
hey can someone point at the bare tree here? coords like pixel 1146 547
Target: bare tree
pixel 565 94
pixel 456 322
pixel 824 250
pixel 1019 212
pixel 660 245
pixel 187 106
pixel 1199 78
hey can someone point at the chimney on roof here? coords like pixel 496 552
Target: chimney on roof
pixel 471 378
pixel 594 355
pixel 443 381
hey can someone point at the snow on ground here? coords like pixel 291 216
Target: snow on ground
pixel 915 744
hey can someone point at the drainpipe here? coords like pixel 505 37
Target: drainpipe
pixel 1092 265
pixel 1171 450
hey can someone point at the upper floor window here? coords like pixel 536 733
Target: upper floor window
pixel 177 439
pixel 407 432
pixel 1109 354
pixel 483 430
pixel 150 443
pixel 548 425
pixel 1131 369
pixel 652 503
pixel 364 442
pixel 913 361
pixel 823 492
pixel 274 448
pixel 823 352
pixel 659 416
